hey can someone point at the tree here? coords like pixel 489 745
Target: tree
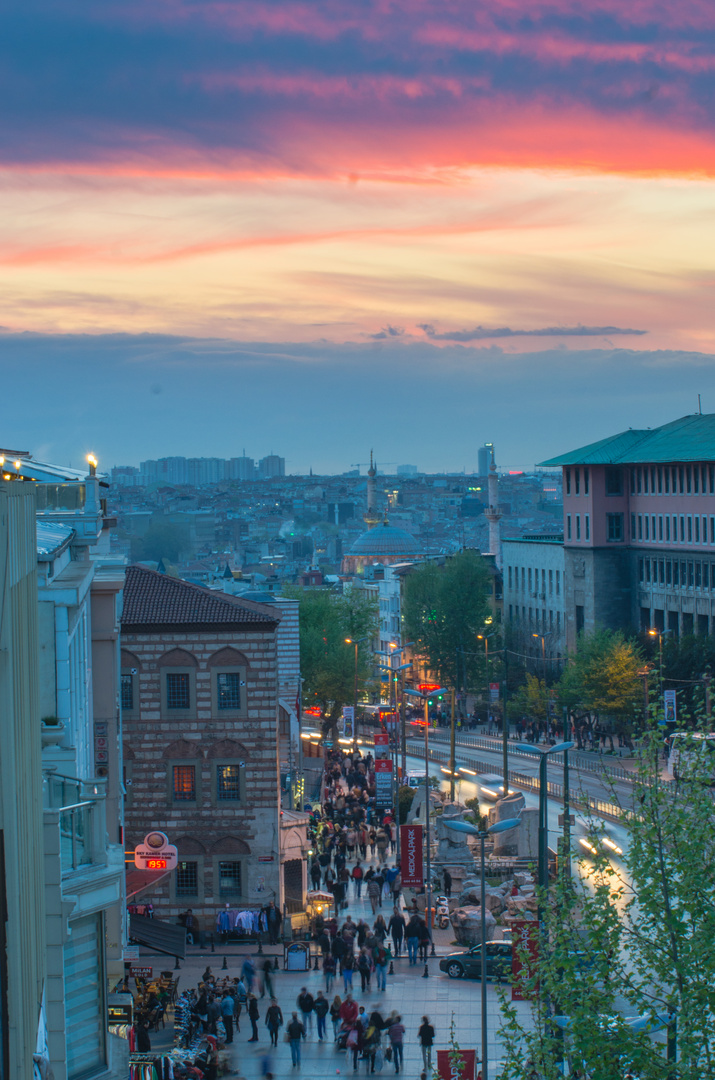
pixel 602 676
pixel 530 699
pixel 638 943
pixel 327 661
pixel 445 607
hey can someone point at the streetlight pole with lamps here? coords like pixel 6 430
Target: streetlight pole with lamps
pixel 482 834
pixel 543 755
pixel 424 697
pixel 356 642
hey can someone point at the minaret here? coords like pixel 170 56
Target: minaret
pixel 371 516
pixel 493 513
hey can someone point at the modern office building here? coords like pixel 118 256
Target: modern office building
pixel 534 592
pixel 639 529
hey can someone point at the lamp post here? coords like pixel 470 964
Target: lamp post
pixel 543 755
pixel 424 697
pixel 482 834
pixel 660 634
pixel 485 639
pixel 394 749
pixel 356 642
pixel 402 668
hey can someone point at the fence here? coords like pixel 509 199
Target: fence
pixel 531 783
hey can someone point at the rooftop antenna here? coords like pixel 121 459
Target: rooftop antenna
pixel 700 408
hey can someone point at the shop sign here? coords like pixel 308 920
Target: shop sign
pixel 156 853
pixel 382 744
pixel 140 972
pixel 411 857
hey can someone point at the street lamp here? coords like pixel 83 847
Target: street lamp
pixel 543 755
pixel 355 642
pixel 424 697
pixel 403 734
pixel 660 634
pixel 482 834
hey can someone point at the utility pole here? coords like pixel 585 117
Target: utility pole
pixel 452 751
pixel 505 725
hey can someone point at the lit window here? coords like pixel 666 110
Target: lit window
pixel 184 783
pixel 228 782
pixel 177 691
pixel 229 690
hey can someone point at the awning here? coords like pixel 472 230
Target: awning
pixel 139 880
pixel 156 934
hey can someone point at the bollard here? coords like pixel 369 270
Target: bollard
pixel 316 967
pixel 392 968
pixel 433 953
pixel 177 965
pixel 224 966
pixel 276 965
pixel 260 946
pixel 426 972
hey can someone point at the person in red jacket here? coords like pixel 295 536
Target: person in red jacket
pixel 349 1011
pixel 357 875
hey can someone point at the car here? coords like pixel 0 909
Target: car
pixel 468 965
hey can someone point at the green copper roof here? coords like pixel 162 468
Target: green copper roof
pixel 692 438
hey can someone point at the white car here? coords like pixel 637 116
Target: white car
pixel 685 749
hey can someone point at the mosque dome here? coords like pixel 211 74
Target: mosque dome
pixel 384 539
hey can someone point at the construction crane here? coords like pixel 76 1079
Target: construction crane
pixel 367 464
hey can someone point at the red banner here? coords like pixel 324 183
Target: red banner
pixel 450 1069
pixel 382 744
pixel 524 956
pixel 411 865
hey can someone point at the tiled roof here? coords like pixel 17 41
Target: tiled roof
pixel 153 599
pixel 691 438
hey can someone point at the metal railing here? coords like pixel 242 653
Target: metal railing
pixel 531 783
pixel 76 835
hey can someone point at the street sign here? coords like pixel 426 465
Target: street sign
pixel 494 691
pixel 670 706
pixel 348 721
pixel 524 957
pixel 382 744
pixel 572 820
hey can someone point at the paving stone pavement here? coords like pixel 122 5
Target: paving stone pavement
pixel 413 996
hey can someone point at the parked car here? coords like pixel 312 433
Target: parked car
pixel 468 965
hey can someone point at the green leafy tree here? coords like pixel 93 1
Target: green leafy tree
pixel 327 661
pixel 445 607
pixel 162 540
pixel 602 676
pixel 530 699
pixel 637 943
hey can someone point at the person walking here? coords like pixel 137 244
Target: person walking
pixel 295 1032
pixel 320 1008
pixel 305 1003
pixel 382 956
pixel 329 971
pixel 315 873
pixel 365 969
pixel 396 1035
pixel 254 1016
pixel 248 973
pixel 268 978
pixel 273 917
pixel 447 883
pixel 348 966
pixel 227 1010
pixel 412 937
pixel 274 1021
pixel 396 927
pixel 425 939
pixel 357 875
pixel 335 1008
pixel 426 1040
pixel 374 889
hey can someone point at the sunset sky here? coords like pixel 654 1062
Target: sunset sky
pixel 317 227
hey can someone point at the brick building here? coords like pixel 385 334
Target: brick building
pixel 200 724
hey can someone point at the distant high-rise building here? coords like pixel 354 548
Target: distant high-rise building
pixel 407 470
pixel 485 457
pixel 241 468
pixel 272 465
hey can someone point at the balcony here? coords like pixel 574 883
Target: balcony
pixel 75 821
pixel 75 504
